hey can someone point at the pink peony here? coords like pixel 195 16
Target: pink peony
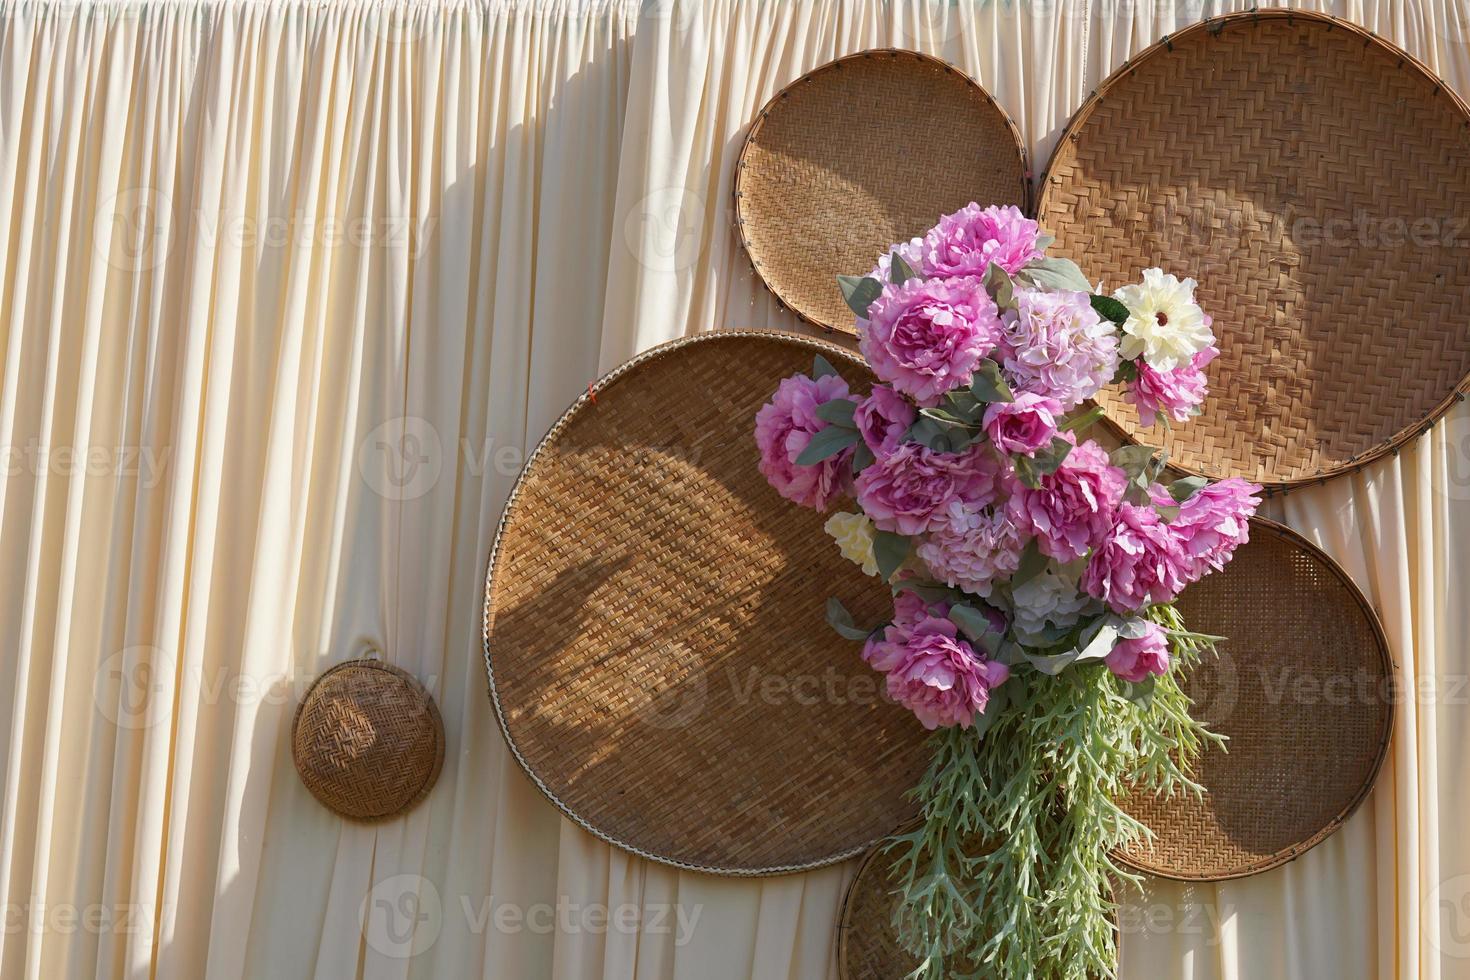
pixel 783 428
pixel 911 251
pixel 1023 426
pixel 1213 523
pixel 934 673
pixel 909 491
pixel 1175 393
pixel 1138 561
pixel 973 549
pixel 882 419
pixel 925 338
pixel 1134 660
pixel 1056 345
pixel 967 242
pixel 1074 507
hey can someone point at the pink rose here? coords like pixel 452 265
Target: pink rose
pixel 1074 507
pixel 909 490
pixel 1056 345
pixel 1213 523
pixel 1138 561
pixel 934 673
pixel 967 242
pixel 1175 393
pixel 783 429
pixel 882 419
pixel 1023 426
pixel 926 337
pixel 1134 660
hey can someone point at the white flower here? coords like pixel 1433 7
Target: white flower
pixel 854 536
pixel 1164 324
pixel 1049 599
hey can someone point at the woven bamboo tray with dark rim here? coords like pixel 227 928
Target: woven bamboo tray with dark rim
pixel 1270 156
pixel 859 154
pixel 1303 688
pixel 654 627
pixel 368 740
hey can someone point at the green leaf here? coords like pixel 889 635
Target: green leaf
pixel 1032 564
pixel 1182 490
pixel 1110 309
pixel 862 458
pixel 889 550
pixel 829 442
pixel 988 386
pixel 1044 242
pixel 1052 664
pixel 964 405
pixel 1127 372
pixel 1169 514
pixel 1050 459
pixel 1142 693
pixel 900 271
pixel 972 622
pixel 1133 460
pixel 1077 423
pixel 839 412
pixel 1026 472
pixel 841 620
pixel 1001 286
pixel 821 367
pixel 1101 641
pixel 1055 273
pixel 928 433
pixel 859 292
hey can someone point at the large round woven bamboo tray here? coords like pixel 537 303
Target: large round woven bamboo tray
pixel 368 740
pixel 1304 691
pixel 859 154
pixel 655 628
pixel 1313 179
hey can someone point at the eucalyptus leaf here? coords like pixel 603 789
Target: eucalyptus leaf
pixel 1132 629
pixel 928 433
pixel 1055 273
pixel 1133 460
pixel 1110 309
pixel 1182 489
pixel 1000 285
pixel 1101 644
pixel 841 620
pixel 862 458
pixel 1169 513
pixel 1052 664
pixel 1032 564
pixel 821 367
pixel 1026 472
pixel 1142 693
pixel 943 417
pixel 1050 459
pixel 988 386
pixel 859 292
pixel 889 550
pixel 971 621
pixel 1044 242
pixel 900 271
pixel 829 442
pixel 838 411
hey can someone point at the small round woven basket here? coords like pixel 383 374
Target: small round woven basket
pixel 1312 178
pixel 857 155
pixel 655 628
pixel 368 740
pixel 1304 690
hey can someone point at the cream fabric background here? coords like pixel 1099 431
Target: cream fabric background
pixel 286 292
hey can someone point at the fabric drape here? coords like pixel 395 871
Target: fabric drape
pixel 287 292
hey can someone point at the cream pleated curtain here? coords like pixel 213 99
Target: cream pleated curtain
pixel 288 290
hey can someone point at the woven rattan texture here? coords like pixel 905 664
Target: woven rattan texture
pixel 859 154
pixel 1314 180
pixel 656 632
pixel 1302 688
pixel 368 740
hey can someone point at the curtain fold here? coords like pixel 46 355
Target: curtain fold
pixel 288 290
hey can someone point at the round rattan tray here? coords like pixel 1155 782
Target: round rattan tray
pixel 368 740
pixel 1312 178
pixel 655 630
pixel 861 153
pixel 1303 688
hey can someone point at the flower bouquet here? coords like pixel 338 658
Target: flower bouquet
pixel 1033 573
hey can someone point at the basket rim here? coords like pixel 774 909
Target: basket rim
pixel 1215 26
pixel 1028 193
pixel 1390 667
pixel 586 398
pixel 436 720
